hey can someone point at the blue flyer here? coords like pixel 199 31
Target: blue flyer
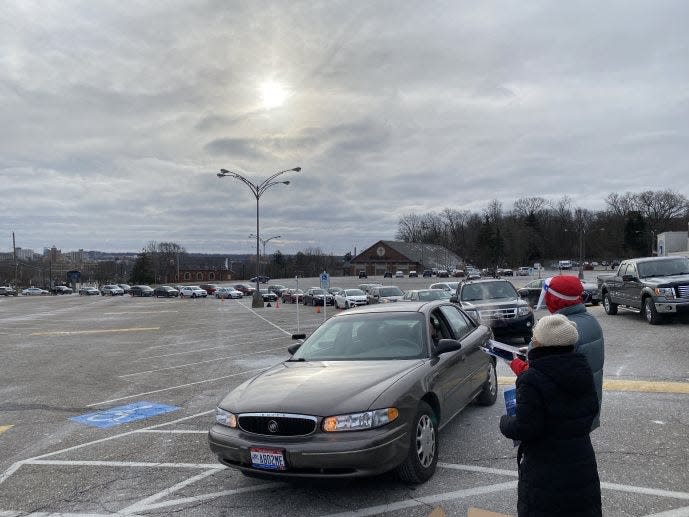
pixel 511 405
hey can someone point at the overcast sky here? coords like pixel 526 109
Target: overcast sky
pixel 116 116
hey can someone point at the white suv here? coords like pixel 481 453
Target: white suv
pixel 112 290
pixel 192 291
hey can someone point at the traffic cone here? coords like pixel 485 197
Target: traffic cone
pixel 318 309
pixel 277 303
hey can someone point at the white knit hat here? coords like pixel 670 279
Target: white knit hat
pixel 555 330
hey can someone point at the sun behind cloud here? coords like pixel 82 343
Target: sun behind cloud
pixel 273 94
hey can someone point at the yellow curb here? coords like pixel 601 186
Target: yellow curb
pixel 4 428
pixel 622 385
pixel 104 331
pixel 646 386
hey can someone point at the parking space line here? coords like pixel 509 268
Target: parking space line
pixel 140 505
pixel 264 319
pixel 4 428
pixel 611 486
pixel 201 362
pixel 175 387
pixel 173 431
pixel 427 500
pixel 203 497
pixel 101 331
pixel 677 512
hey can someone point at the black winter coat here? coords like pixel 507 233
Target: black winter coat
pixel 556 404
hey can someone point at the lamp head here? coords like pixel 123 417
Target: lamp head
pixel 286 182
pixel 296 169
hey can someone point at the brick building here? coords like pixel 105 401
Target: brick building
pixel 392 256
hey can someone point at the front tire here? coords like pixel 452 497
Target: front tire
pixel 650 312
pixel 608 305
pixel 489 393
pixel 423 448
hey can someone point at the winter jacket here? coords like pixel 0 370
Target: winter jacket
pixel 591 345
pixel 556 404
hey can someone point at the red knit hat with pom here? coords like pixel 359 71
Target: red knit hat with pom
pixel 563 291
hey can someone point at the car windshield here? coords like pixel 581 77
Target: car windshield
pixel 354 292
pixel 367 337
pixel 317 291
pixel 390 291
pixel 675 266
pixel 488 291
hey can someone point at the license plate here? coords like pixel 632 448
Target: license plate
pixel 267 459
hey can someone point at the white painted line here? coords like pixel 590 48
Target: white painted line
pixel 14 467
pixel 203 497
pixel 645 491
pixel 474 468
pixel 428 500
pixel 239 356
pixel 268 322
pixel 95 463
pixel 174 387
pixel 609 486
pixel 138 506
pixel 9 513
pixel 173 431
pixel 677 512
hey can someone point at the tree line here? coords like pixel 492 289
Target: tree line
pixel 538 230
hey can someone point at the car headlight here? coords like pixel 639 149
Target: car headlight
pixel 667 292
pixel 225 418
pixel 523 310
pixel 360 421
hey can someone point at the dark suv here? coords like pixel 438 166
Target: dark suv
pixel 498 305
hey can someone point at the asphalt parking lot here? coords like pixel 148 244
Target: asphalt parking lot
pixel 73 368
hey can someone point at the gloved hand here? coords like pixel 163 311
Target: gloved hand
pixel 518 366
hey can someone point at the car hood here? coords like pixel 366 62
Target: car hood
pixel 493 304
pixel 318 388
pixel 666 281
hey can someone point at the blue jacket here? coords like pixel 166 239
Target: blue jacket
pixel 590 345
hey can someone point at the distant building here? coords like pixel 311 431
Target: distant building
pixel 673 243
pixel 392 256
pixel 24 254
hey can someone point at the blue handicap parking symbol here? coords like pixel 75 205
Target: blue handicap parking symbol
pixel 123 414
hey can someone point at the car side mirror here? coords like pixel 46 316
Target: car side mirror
pixel 293 348
pixel 454 298
pixel 523 294
pixel 447 345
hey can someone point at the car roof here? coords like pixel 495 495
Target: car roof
pixel 400 307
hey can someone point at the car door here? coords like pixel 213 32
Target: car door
pixel 452 373
pixel 631 289
pixel 476 362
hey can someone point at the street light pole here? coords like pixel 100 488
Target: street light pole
pixel 257 189
pixel 265 241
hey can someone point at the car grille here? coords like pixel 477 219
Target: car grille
pixel 498 314
pixel 683 291
pixel 277 424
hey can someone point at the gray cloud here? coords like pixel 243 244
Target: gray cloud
pixel 116 116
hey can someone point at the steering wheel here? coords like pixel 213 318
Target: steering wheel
pixel 405 343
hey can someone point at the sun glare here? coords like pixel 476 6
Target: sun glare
pixel 272 94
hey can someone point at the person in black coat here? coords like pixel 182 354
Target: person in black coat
pixel 556 404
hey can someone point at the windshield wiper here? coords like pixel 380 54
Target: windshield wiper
pixel 299 360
